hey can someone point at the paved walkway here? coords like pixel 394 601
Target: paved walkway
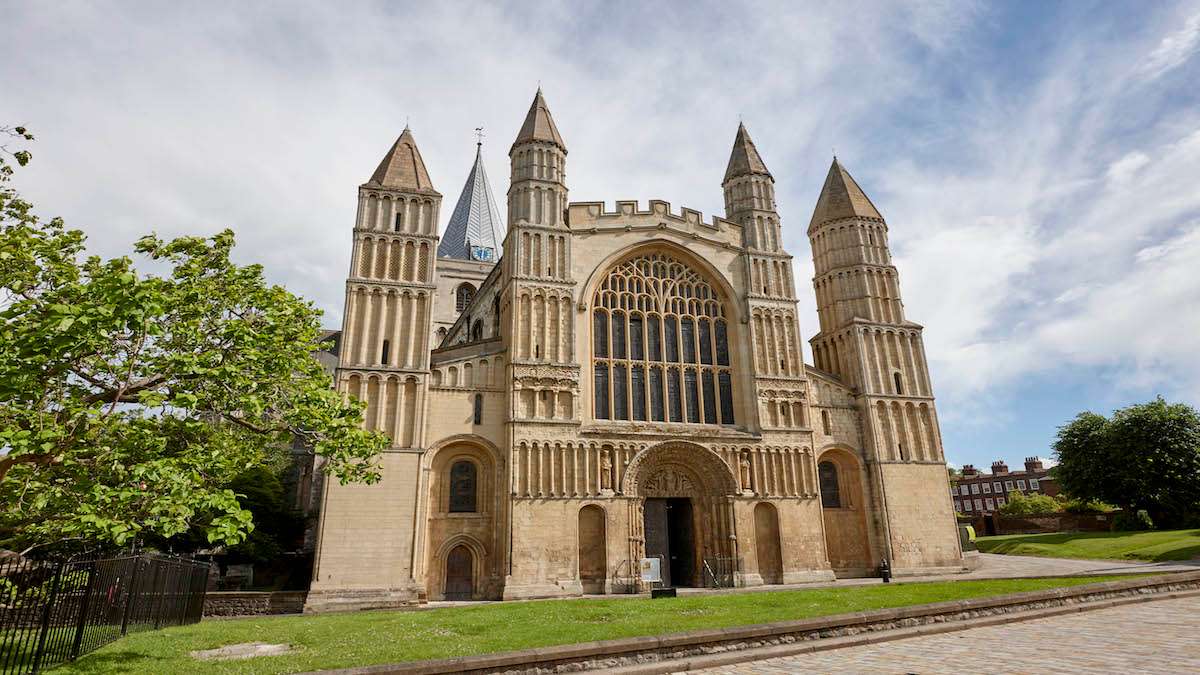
pixel 1148 637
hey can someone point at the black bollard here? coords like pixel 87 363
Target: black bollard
pixel 885 571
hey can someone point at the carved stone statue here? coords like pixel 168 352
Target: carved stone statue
pixel 606 469
pixel 745 473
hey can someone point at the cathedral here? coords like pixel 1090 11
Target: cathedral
pixel 590 387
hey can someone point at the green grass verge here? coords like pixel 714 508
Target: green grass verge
pixel 367 638
pixel 1146 546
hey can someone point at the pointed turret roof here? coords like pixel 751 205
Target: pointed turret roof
pixel 539 125
pixel 402 167
pixel 745 160
pixel 841 197
pixel 475 223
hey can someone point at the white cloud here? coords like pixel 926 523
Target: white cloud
pixel 1174 49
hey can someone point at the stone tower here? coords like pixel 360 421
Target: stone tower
pixel 367 540
pixel 867 342
pixel 779 369
pixel 537 300
pixel 537 315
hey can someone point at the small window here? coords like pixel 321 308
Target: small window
pixel 825 426
pixel 477 330
pixel 899 387
pixel 463 297
pixel 974 488
pixel 462 487
pixel 399 225
pixel 1034 484
pixel 383 355
pixel 1021 485
pixel 478 417
pixel 966 505
pixel 987 488
pixel 827 474
pixel 991 506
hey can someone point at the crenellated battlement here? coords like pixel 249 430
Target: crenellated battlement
pixel 582 213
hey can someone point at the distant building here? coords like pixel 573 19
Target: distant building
pixel 978 493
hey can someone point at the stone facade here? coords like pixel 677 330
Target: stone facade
pixel 626 382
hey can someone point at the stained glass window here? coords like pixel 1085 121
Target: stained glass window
pixel 462 487
pixel 649 311
pixel 827 474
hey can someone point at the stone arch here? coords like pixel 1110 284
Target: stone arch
pixel 767 544
pixel 847 545
pixel 713 473
pixel 733 300
pixel 592 544
pixel 441 558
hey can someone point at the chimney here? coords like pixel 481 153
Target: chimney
pixel 999 467
pixel 1033 464
pixel 969 471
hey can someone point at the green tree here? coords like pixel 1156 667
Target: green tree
pixel 1145 457
pixel 130 402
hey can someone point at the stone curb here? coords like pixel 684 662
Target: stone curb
pixel 853 628
pixel 745 655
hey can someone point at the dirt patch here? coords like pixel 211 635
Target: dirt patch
pixel 244 650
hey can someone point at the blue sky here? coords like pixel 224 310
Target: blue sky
pixel 1038 163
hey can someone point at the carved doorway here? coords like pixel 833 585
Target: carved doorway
pixel 459 578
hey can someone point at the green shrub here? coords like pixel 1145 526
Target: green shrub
pixel 1132 522
pixel 1029 505
pixel 1085 507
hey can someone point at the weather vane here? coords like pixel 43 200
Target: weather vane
pixel 478 135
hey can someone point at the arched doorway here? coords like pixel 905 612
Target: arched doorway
pixel 460 583
pixel 684 511
pixel 593 558
pixel 839 476
pixel 766 543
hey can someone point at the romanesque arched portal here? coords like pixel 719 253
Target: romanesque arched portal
pixel 682 512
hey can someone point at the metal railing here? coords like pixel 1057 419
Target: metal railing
pixel 51 613
pixel 720 572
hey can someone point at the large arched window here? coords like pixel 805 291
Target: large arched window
pixel 463 296
pixel 831 493
pixel 660 345
pixel 462 487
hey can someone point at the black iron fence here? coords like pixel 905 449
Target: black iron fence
pixel 51 613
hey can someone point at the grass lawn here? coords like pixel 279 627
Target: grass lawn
pixel 366 638
pixel 1147 546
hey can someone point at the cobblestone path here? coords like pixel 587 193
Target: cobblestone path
pixel 1149 637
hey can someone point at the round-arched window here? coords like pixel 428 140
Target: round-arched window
pixel 831 493
pixel 462 487
pixel 660 345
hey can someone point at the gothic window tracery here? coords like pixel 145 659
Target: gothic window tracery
pixel 463 296
pixel 660 345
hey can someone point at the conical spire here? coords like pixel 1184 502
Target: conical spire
pixel 539 125
pixel 744 160
pixel 402 167
pixel 474 231
pixel 841 197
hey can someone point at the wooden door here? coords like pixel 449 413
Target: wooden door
pixel 766 543
pixel 459 578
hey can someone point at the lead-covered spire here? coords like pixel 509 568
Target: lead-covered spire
pixel 475 228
